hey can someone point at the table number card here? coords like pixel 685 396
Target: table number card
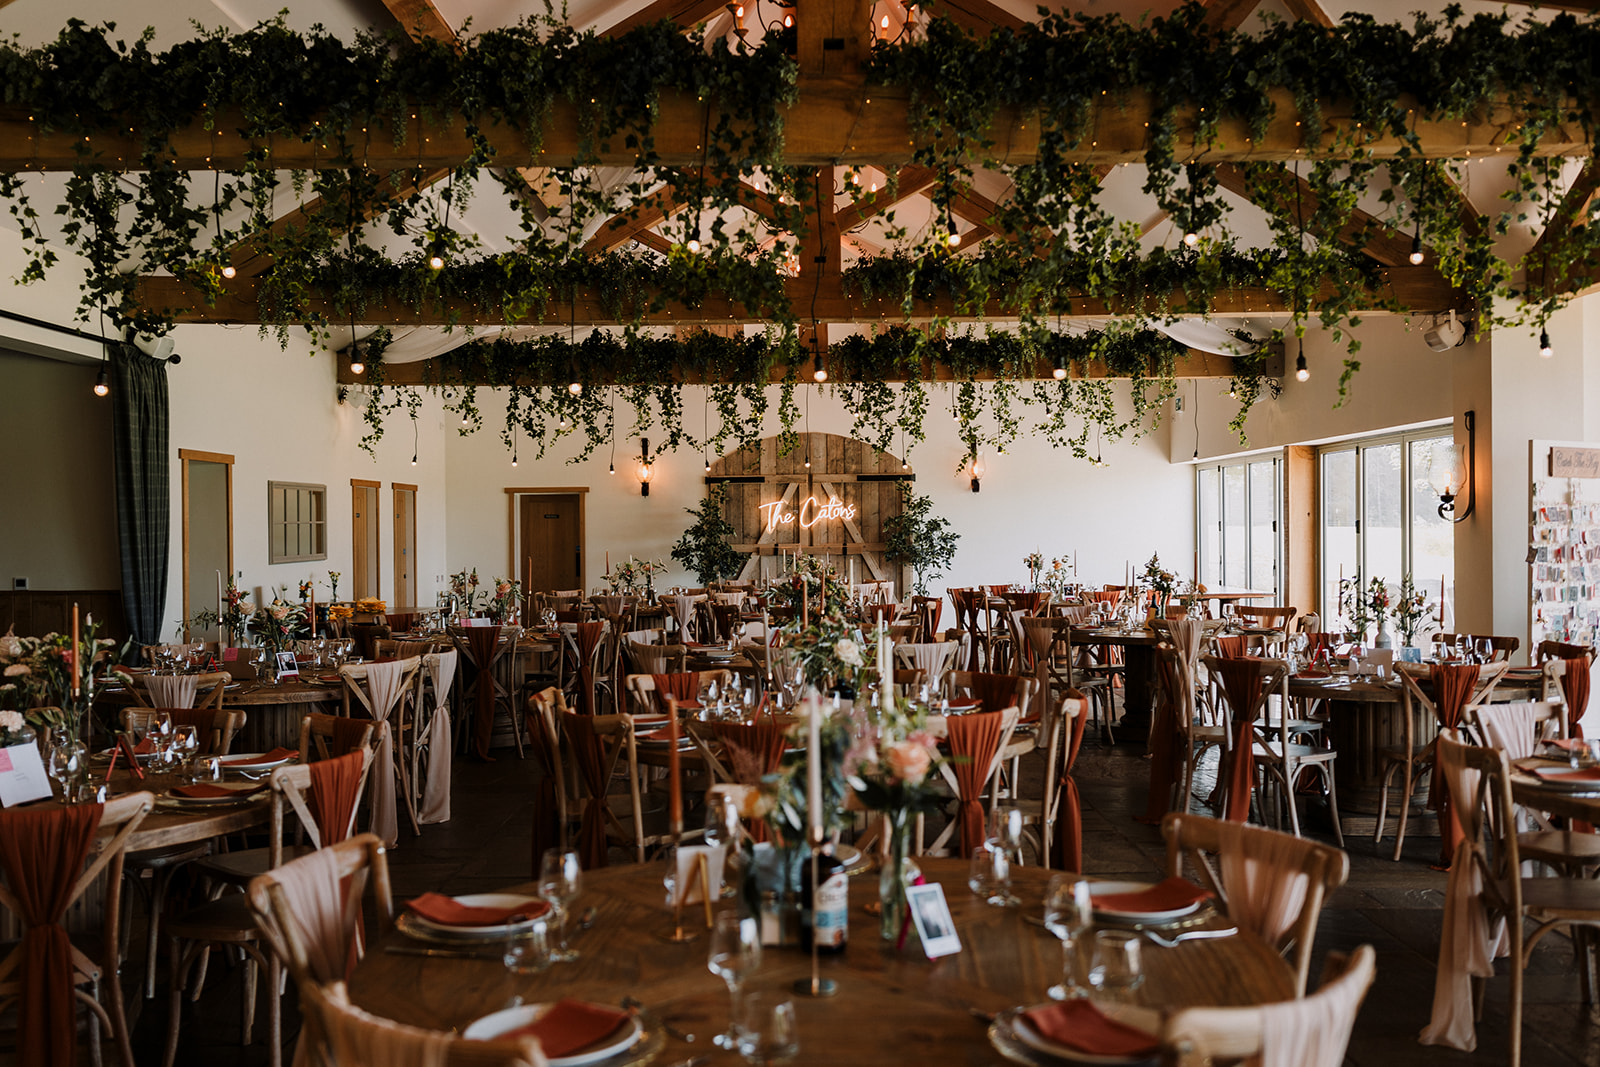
pixel 935 925
pixel 688 887
pixel 22 775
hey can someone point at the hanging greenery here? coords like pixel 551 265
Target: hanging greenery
pixel 376 241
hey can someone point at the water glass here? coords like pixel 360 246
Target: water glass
pixel 1118 967
pixel 734 956
pixel 1068 911
pixel 767 1029
pixel 527 951
pixel 560 879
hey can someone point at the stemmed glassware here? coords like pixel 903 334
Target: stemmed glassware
pixel 1005 840
pixel 734 956
pixel 1068 911
pixel 185 743
pixel 560 880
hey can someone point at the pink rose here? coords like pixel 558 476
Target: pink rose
pixel 909 762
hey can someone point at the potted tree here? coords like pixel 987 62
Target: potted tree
pixel 705 546
pixel 913 539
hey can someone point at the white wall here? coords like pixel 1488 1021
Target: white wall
pixel 1035 497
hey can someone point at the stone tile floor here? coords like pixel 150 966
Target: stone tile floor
pixel 1397 907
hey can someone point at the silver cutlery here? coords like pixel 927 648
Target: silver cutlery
pixel 588 917
pixel 1190 935
pixel 633 1006
pixel 442 953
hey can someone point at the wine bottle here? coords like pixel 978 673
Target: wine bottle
pixel 828 916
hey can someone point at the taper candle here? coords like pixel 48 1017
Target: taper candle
pixel 814 766
pixel 674 781
pixel 75 672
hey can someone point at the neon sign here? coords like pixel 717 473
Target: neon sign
pixel 810 513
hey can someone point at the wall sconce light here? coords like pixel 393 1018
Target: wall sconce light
pixel 1456 473
pixel 978 470
pixel 645 473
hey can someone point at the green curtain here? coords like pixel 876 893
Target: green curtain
pixel 144 486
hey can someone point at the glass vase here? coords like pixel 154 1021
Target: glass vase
pixel 896 874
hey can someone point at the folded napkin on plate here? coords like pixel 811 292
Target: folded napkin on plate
pixel 1168 895
pixel 663 734
pixel 447 911
pixel 1567 774
pixel 207 791
pixel 274 756
pixel 1079 1025
pixel 145 747
pixel 1569 744
pixel 571 1025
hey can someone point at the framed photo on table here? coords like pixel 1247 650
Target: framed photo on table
pixel 287 667
pixel 931 914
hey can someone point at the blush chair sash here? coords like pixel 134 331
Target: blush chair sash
pixel 325 909
pixel 1452 688
pixel 172 690
pixel 381 693
pixel 1256 866
pixel 441 668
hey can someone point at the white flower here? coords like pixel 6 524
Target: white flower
pixel 848 651
pixel 10 721
pixel 247 607
pixel 17 670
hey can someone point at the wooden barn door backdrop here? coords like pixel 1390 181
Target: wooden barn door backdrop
pixel 835 507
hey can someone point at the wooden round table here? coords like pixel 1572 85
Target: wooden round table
pixel 892 1006
pixel 272 712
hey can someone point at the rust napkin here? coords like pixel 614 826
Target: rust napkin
pixel 1079 1025
pixel 265 757
pixel 571 1025
pixel 1566 774
pixel 1167 895
pixel 207 791
pixel 447 911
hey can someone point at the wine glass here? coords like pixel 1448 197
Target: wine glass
pixel 1118 967
pixel 734 956
pixel 767 1030
pixel 185 743
pixel 1067 913
pixel 560 879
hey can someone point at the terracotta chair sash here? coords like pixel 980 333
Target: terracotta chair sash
pixel 1452 688
pixel 1233 646
pixel 1575 690
pixel 589 757
pixel 1066 853
pixel 1241 681
pixel 587 637
pixel 684 689
pixel 974 740
pixel 42 854
pixel 335 788
pixel 482 644
pixel 995 692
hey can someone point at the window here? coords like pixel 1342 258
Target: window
pixel 1380 515
pixel 297 522
pixel 1237 513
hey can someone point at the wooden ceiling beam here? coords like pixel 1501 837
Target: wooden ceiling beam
pixel 977 17
pixel 685 13
pixel 1366 232
pixel 1574 207
pixel 1192 364
pixel 650 212
pixel 1309 11
pixel 1228 14
pixel 832 122
pixel 421 20
pixel 1415 289
pixel 910 181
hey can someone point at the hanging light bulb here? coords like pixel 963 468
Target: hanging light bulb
pixel 1301 373
pixel 818 372
pixel 357 366
pixel 693 246
pixel 954 239
pixel 464 420
pixel 1544 344
pixel 612 467
pixel 788 21
pixel 1060 371
pixel 436 254
pixel 413 457
pixel 1416 257
pixel 101 386
pixel 229 272
pixel 575 388
pixel 1191 238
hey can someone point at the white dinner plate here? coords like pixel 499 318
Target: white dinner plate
pixel 1099 889
pixel 498 932
pixel 500 1022
pixel 256 763
pixel 1565 779
pixel 1140 1018
pixel 244 793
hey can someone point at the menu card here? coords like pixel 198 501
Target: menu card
pixel 22 775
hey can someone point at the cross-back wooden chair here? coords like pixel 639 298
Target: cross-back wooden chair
pixel 1054 660
pixel 227 920
pixel 1277 617
pixel 1267 882
pixel 429 744
pixel 926 610
pixel 47 899
pixel 586 751
pixel 1411 758
pixel 1486 884
pixel 654 658
pixel 1313 1032
pixel 215 728
pixel 345 1034
pixel 968 773
pixel 324 736
pixel 172 691
pixel 1059 735
pixel 290 919
pixel 1197 725
pixel 492 688
pixel 644 698
pixel 387 694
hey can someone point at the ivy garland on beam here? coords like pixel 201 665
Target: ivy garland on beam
pixel 1057 243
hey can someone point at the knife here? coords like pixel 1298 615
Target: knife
pixel 441 953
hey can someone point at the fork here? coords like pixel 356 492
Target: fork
pixel 634 1005
pixel 1190 935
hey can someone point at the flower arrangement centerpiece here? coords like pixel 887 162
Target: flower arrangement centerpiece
pixel 506 600
pixel 464 587
pixel 1034 561
pixel 635 577
pixel 1191 593
pixel 893 768
pixel 1410 608
pixel 1354 606
pixel 14 729
pixel 333 583
pixel 812 587
pixel 277 622
pixel 1058 578
pixel 828 651
pixel 236 611
pixel 1378 602
pixel 1160 581
pixel 50 679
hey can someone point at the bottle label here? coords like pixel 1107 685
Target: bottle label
pixel 832 913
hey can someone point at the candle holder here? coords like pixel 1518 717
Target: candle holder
pixel 815 986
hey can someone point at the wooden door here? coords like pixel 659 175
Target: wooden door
pixel 207 535
pixel 834 506
pixel 365 551
pixel 405 545
pixel 552 541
